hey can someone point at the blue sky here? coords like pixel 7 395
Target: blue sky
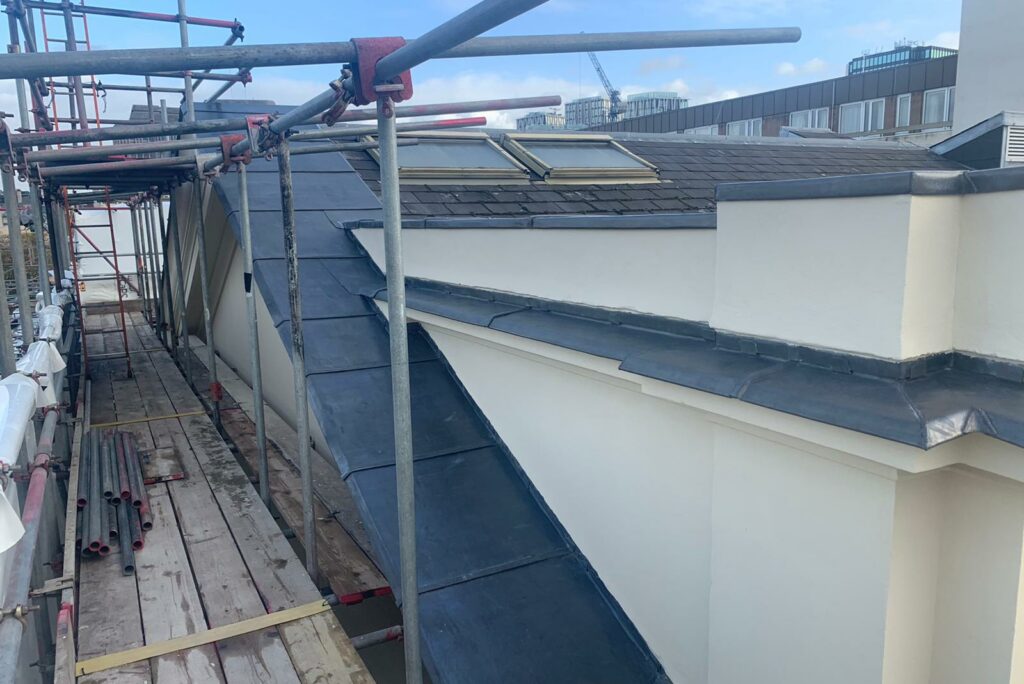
pixel 834 31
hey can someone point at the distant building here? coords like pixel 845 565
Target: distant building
pixel 899 55
pixel 540 121
pixel 586 112
pixel 911 99
pixel 643 104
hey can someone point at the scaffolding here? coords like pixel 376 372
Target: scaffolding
pixel 376 71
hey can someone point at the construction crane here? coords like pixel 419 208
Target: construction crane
pixel 613 94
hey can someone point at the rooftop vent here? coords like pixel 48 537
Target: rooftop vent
pixel 1014 152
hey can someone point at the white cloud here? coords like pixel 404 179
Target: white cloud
pixel 667 63
pixel 742 9
pixel 948 39
pixel 881 29
pixel 815 65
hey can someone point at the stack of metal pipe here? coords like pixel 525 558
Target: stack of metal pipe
pixel 112 503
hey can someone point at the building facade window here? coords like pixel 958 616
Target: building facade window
pixel 810 118
pixel 747 127
pixel 903 111
pixel 938 105
pixel 702 130
pixel 859 117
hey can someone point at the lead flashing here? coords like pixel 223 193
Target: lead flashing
pixel 703 220
pixel 876 185
pixel 922 402
pixel 832 187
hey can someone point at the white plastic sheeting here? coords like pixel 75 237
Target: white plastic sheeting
pixel 18 396
pixel 51 323
pixel 42 362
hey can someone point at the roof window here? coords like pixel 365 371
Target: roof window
pixel 580 159
pixel 463 158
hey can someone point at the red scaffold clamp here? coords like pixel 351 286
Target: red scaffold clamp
pixel 226 143
pixel 369 51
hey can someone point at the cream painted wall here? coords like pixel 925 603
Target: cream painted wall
pixel 990 63
pixel 738 558
pixel 665 272
pixel 647 536
pixel 822 565
pixel 990 278
pixel 828 273
pixel 930 287
pixel 978 596
pixel 231 337
pixel 799 565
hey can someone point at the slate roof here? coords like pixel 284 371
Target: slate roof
pixel 690 167
pixel 502 587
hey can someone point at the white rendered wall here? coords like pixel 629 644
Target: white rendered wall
pixel 929 291
pixel 978 597
pixel 800 550
pixel 231 337
pixel 828 273
pixel 990 276
pixel 739 559
pixel 665 272
pixel 988 71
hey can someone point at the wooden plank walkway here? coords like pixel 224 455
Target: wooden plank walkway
pixel 342 543
pixel 215 555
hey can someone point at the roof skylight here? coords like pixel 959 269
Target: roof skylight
pixel 464 157
pixel 579 158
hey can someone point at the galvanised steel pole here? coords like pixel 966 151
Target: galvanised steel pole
pixel 148 60
pixel 130 14
pixel 204 286
pixel 158 130
pixel 115 166
pixel 400 381
pixel 19 574
pixel 182 322
pixel 354 131
pixel 284 168
pixel 37 221
pixel 190 105
pixel 139 261
pixel 165 284
pixel 72 46
pixel 479 18
pixel 7 356
pixel 147 211
pixel 254 338
pixel 165 129
pixel 106 151
pixel 154 259
pixel 17 254
pixel 143 241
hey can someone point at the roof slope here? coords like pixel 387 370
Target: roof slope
pixel 690 169
pixel 502 588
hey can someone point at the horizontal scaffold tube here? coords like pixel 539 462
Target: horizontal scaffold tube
pixel 160 130
pixel 148 60
pixel 106 151
pixel 106 167
pixel 232 24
